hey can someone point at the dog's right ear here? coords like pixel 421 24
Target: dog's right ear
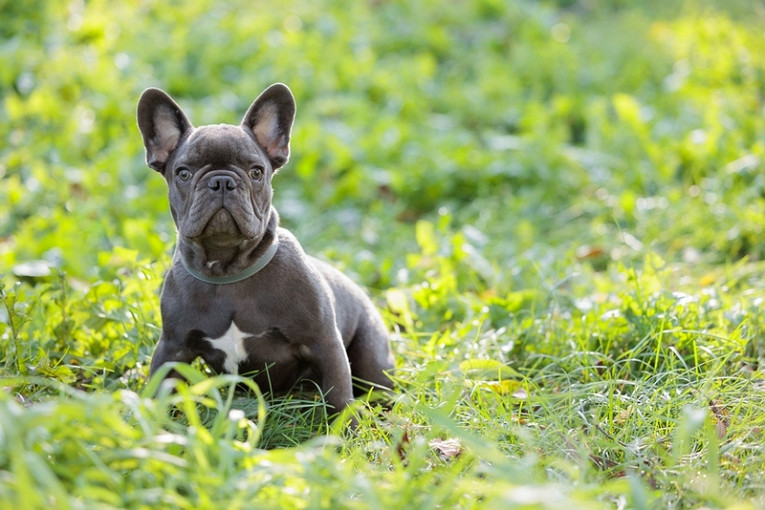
pixel 162 124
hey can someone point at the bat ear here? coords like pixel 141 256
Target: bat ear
pixel 162 124
pixel 269 118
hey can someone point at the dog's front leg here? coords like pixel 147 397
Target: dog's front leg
pixel 169 351
pixel 330 362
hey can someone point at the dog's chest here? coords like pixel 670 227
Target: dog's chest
pixel 239 351
pixel 232 343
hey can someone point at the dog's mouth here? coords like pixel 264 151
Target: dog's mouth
pixel 222 236
pixel 224 227
pixel 221 213
pixel 220 232
pixel 221 223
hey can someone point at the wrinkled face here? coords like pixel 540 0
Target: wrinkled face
pixel 218 177
pixel 219 186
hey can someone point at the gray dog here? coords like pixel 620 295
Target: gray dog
pixel 241 293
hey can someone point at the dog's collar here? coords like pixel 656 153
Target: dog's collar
pixel 259 264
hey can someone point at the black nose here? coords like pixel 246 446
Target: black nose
pixel 220 182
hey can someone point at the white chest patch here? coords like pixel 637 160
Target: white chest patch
pixel 232 343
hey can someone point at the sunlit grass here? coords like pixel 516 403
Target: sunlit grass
pixel 557 206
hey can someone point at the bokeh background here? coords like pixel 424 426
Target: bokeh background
pixel 530 124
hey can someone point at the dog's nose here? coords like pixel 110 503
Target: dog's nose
pixel 222 182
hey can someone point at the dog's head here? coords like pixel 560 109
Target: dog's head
pixel 218 176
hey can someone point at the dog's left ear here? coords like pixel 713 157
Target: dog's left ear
pixel 270 120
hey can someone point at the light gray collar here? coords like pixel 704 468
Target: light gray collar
pixel 259 264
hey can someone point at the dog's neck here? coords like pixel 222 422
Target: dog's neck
pixel 229 262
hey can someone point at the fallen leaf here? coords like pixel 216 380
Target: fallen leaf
pixel 589 252
pixel 621 418
pixel 447 448
pixel 402 445
pixel 521 394
pixel 721 418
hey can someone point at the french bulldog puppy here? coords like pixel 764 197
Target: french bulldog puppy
pixel 241 292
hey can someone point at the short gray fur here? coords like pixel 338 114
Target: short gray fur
pixel 300 318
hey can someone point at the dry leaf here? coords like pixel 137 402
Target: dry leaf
pixel 521 394
pixel 589 252
pixel 402 446
pixel 447 448
pixel 621 418
pixel 721 417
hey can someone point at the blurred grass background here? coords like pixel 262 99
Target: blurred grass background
pixel 513 117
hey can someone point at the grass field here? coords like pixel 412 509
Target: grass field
pixel 559 208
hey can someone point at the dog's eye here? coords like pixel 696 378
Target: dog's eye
pixel 184 174
pixel 256 173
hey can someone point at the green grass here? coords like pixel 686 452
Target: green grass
pixel 558 206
